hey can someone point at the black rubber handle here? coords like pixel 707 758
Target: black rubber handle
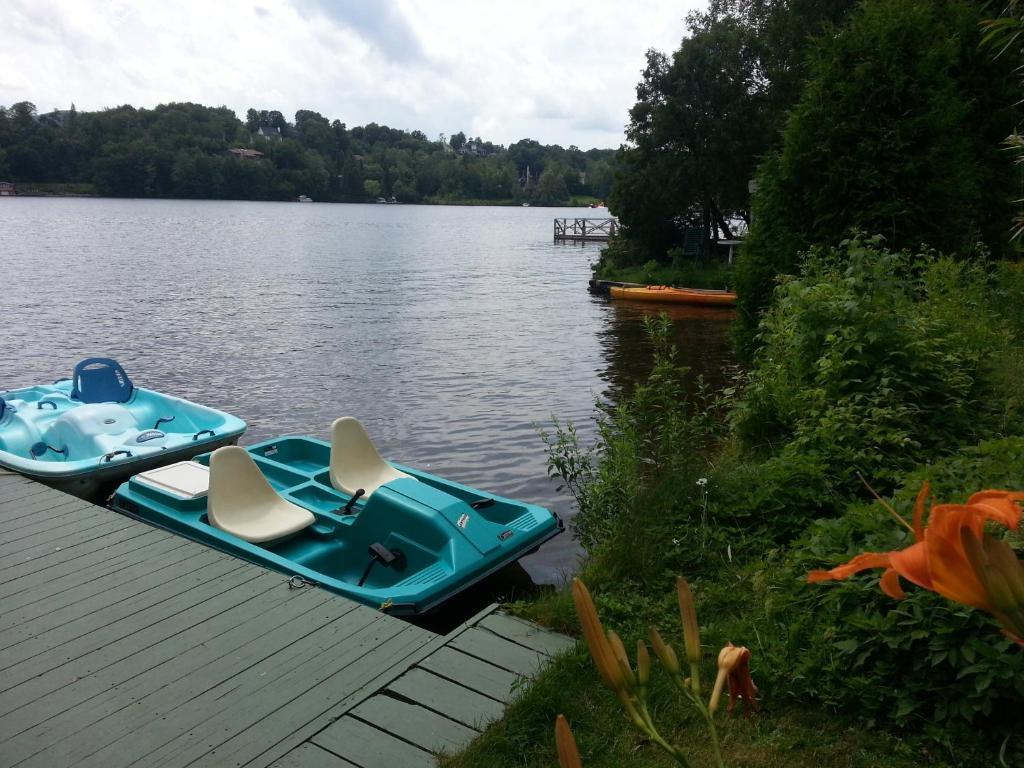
pixel 351 502
pixel 112 454
pixel 41 403
pixel 202 432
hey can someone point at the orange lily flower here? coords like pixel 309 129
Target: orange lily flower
pixel 938 560
pixel 734 667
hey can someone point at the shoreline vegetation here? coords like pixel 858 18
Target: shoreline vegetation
pixel 191 151
pixel 882 336
pixel 90 190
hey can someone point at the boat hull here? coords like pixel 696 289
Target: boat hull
pixel 87 449
pixel 447 543
pixel 667 294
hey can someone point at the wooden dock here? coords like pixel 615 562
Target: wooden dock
pixel 122 644
pixel 585 230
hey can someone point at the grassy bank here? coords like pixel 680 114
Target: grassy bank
pixel 892 367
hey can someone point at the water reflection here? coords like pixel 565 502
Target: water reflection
pixel 700 334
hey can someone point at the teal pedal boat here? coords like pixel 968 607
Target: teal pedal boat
pixel 338 515
pixel 87 434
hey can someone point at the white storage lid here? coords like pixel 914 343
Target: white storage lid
pixel 186 479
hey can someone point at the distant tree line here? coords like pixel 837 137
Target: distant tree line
pixel 185 150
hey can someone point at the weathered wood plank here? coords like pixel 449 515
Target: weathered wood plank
pixel 53 526
pixel 370 747
pixel 16 488
pixel 525 633
pixel 17 565
pixel 234 684
pixel 111 663
pixel 43 586
pixel 156 570
pixel 161 699
pixel 307 692
pixel 342 695
pixel 471 672
pixel 42 507
pixel 415 724
pixel 144 589
pixel 60 563
pixel 312 756
pixel 498 651
pixel 68 541
pixel 461 704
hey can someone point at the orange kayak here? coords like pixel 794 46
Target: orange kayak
pixel 675 295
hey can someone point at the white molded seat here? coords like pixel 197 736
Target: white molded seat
pixel 355 462
pixel 242 502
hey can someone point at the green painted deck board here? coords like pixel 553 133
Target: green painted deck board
pixel 303 716
pixel 370 747
pixel 114 663
pixel 311 756
pixel 28 513
pixel 259 725
pixel 135 715
pixel 525 633
pixel 122 645
pixel 498 651
pixel 44 532
pixel 433 692
pixel 471 672
pixel 123 583
pixel 66 559
pixel 72 621
pixel 415 724
pixel 42 586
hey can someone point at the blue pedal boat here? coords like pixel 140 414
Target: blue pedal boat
pixel 86 434
pixel 339 516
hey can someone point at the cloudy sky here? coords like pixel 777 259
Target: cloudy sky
pixel 560 71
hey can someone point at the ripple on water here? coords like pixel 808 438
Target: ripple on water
pixel 450 331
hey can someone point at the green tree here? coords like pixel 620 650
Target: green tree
pixel 894 134
pixel 457 141
pixel 551 188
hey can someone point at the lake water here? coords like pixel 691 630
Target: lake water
pixel 449 331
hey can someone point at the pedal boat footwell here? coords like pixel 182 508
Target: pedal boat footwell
pixel 444 536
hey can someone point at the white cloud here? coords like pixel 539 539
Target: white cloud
pixel 557 72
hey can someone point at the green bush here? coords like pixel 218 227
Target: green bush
pixel 874 362
pixel 921 663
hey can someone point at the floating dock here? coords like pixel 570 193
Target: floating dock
pixel 122 644
pixel 585 230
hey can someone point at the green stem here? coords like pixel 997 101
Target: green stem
pixel 714 736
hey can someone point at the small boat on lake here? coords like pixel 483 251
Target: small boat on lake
pixel 665 293
pixel 338 515
pixel 87 433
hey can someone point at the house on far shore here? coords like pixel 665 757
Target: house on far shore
pixel 7 189
pixel 268 132
pixel 245 154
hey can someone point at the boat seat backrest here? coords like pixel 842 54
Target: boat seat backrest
pixel 100 380
pixel 355 462
pixel 243 503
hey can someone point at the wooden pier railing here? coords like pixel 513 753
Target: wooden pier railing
pixel 585 230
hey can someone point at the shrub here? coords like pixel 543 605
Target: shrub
pixel 655 432
pixel 920 663
pixel 874 362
